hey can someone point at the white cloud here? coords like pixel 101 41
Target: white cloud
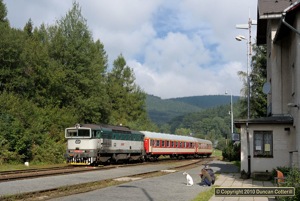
pixel 176 48
pixel 189 82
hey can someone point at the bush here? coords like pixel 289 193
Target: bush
pixel 232 152
pixel 292 180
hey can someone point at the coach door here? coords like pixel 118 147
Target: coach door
pixel 148 144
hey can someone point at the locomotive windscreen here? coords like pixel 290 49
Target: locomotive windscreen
pixel 77 133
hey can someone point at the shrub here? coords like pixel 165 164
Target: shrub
pixel 292 180
pixel 232 152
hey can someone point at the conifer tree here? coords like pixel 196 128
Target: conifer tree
pixel 127 101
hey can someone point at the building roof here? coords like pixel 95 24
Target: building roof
pixel 283 30
pixel 269 9
pixel 276 119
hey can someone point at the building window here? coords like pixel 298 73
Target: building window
pixel 263 144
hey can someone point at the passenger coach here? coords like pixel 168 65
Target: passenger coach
pixel 175 146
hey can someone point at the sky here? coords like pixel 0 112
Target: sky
pixel 176 48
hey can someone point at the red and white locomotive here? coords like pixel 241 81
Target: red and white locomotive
pixel 91 144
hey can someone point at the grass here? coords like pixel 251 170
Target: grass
pixel 217 153
pixel 206 195
pixel 237 163
pixel 6 167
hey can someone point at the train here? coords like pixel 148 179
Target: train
pixel 94 144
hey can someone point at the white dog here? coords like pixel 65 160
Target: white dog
pixel 189 179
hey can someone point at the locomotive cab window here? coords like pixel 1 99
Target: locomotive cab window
pixel 71 133
pixel 97 134
pixel 83 133
pixel 78 133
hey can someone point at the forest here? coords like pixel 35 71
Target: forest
pixel 55 76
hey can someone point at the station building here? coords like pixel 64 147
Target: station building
pixel 274 141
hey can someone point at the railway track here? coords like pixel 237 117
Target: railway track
pixel 42 172
pixel 89 186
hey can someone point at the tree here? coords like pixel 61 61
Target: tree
pixel 257 78
pixel 127 100
pixel 3 12
pixel 81 65
pixel 28 28
pixel 183 131
pixel 11 47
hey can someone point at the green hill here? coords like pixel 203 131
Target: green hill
pixel 162 111
pixel 208 101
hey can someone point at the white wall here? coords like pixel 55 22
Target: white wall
pixel 281 148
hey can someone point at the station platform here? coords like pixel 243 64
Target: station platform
pixel 234 180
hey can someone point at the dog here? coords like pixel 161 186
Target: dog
pixel 189 179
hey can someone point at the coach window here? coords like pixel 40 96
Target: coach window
pixel 168 143
pixel 157 143
pixel 172 144
pixel 163 143
pixel 263 144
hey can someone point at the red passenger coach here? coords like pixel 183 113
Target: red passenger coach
pixel 175 146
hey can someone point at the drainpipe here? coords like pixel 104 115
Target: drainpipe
pixel 248 149
pixel 288 25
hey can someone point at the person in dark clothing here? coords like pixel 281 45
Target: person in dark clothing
pixel 207 175
pixel 206 178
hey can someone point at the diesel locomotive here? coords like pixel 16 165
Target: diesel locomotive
pixel 93 144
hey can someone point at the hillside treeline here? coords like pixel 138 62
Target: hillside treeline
pixel 212 124
pixel 54 76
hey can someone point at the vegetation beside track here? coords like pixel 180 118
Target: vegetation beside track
pixel 10 167
pixel 217 153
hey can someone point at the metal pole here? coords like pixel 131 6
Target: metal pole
pixel 249 53
pixel 248 98
pixel 231 113
pixel 248 66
